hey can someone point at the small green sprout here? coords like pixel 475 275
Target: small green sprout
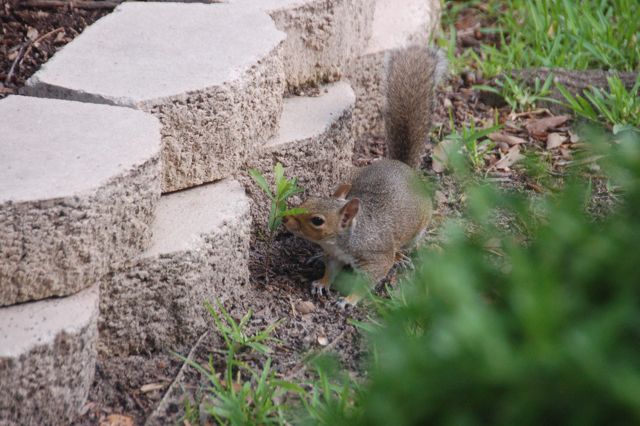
pixel 284 189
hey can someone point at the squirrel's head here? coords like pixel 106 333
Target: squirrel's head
pixel 323 219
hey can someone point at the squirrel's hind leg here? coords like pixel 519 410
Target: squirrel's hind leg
pixel 375 269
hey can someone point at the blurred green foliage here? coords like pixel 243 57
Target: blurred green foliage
pixel 492 329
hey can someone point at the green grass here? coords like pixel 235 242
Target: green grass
pixel 564 34
pixel 472 143
pixel 518 96
pixel 618 107
pixel 235 334
pixel 570 34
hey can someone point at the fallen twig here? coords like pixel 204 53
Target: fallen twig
pixel 39 39
pixel 161 405
pixel 24 53
pixel 15 62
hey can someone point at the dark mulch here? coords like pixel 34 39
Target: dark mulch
pixel 29 36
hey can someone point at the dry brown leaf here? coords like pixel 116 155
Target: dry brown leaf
pixel 510 158
pixel 538 127
pixel 150 387
pixel 573 137
pixel 305 307
pixel 554 140
pixel 117 420
pixel 506 138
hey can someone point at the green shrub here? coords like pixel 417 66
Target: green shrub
pixel 542 331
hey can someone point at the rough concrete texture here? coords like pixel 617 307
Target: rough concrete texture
pixel 395 24
pixel 210 72
pixel 47 358
pixel 199 252
pixel 314 145
pixel 322 35
pixel 78 188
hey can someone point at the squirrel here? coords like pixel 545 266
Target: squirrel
pixel 368 222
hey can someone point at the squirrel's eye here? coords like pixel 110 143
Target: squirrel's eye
pixel 317 221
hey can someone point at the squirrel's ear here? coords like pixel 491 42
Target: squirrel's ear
pixel 342 190
pixel 348 212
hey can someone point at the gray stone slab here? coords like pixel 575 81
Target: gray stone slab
pixel 314 145
pixel 78 187
pixel 47 358
pixel 395 24
pixel 199 252
pixel 321 35
pixel 210 72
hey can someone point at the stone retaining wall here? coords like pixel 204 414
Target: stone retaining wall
pixel 156 98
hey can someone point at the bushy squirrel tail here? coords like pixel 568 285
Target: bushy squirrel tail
pixel 412 76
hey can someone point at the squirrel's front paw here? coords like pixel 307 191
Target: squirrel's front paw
pixel 347 302
pixel 404 261
pixel 318 288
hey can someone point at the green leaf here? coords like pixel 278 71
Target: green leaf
pixel 278 172
pixel 261 181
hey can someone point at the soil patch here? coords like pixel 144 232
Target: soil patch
pixel 29 36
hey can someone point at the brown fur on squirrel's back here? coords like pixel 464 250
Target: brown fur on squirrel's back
pixel 412 76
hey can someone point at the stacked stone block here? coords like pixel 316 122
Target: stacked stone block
pixel 78 189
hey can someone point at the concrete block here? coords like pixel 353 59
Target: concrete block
pixel 78 188
pixel 199 252
pixel 314 145
pixel 322 35
pixel 395 24
pixel 47 358
pixel 210 72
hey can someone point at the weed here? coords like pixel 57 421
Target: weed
pixel 618 107
pixel 520 97
pixel 243 395
pixel 234 333
pixel 283 189
pixel 473 141
pixel 330 395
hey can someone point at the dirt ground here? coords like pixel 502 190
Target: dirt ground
pixel 134 386
pixel 29 36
